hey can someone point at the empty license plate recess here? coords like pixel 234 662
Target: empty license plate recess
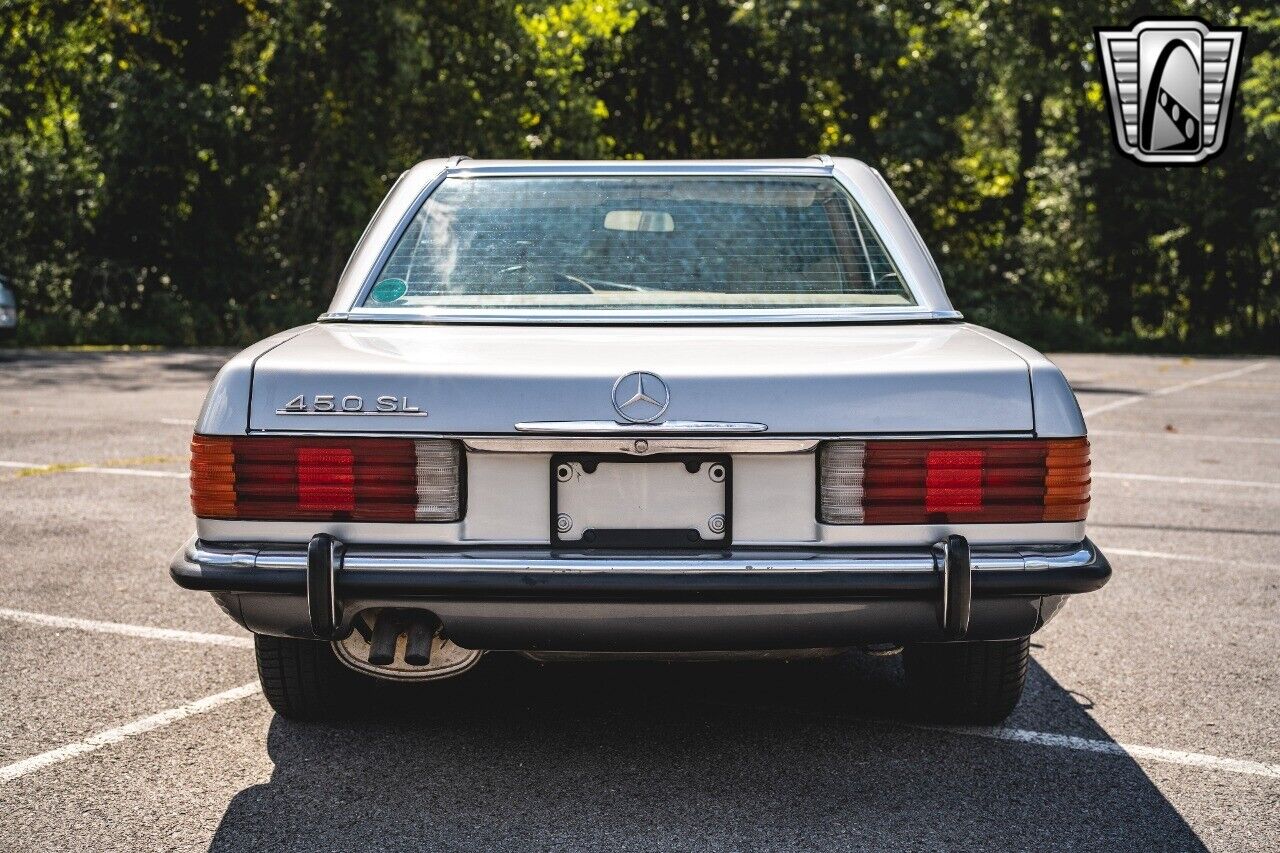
pixel 608 501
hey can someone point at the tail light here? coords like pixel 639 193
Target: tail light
pixel 326 479
pixel 975 481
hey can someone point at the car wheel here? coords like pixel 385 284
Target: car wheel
pixel 304 680
pixel 967 682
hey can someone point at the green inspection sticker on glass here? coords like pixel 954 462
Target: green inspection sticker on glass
pixel 389 290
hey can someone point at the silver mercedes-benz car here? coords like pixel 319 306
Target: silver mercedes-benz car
pixel 639 409
pixel 8 311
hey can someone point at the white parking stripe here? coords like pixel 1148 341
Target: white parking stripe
pixel 1173 389
pixel 1050 739
pixel 1108 747
pixel 1182 558
pixel 1200 481
pixel 1216 412
pixel 45 620
pixel 187 422
pixel 131 472
pixel 1218 439
pixel 94 469
pixel 93 743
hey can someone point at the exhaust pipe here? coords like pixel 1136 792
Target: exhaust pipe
pixel 419 626
pixel 417 646
pixel 386 633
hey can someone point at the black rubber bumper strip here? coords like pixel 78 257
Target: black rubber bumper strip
pixel 623 585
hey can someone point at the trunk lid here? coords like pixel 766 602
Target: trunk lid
pixel 800 380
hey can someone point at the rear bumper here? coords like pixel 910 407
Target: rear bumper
pixel 524 574
pixel 520 598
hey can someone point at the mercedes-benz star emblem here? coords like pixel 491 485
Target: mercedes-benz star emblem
pixel 641 397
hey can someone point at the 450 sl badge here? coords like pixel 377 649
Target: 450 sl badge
pixel 351 404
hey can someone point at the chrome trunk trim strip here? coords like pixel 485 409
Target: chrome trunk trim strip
pixel 640 445
pixel 593 427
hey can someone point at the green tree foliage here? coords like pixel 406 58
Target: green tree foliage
pixel 197 172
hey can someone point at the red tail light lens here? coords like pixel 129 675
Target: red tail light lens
pixel 326 479
pixel 961 481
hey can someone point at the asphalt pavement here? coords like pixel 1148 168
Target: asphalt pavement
pixel 129 718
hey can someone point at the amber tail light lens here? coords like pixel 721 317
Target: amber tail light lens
pixel 326 479
pixel 953 481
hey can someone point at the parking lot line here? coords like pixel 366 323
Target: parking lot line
pixel 36 467
pixel 47 621
pixel 1184 558
pixel 1174 389
pixel 1059 741
pixel 1109 747
pixel 1224 439
pixel 200 706
pixel 1217 412
pixel 95 742
pixel 131 472
pixel 1201 481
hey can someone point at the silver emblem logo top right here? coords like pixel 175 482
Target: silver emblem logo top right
pixel 1169 85
pixel 641 397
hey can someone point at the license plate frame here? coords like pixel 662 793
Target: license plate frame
pixel 647 537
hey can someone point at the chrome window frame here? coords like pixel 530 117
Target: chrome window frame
pixel 855 178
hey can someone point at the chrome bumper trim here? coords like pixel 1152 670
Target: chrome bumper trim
pixel 532 562
pixel 510 598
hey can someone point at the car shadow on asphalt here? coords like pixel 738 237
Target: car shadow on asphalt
pixel 517 755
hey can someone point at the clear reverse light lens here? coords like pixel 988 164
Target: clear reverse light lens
pixel 439 486
pixel 840 483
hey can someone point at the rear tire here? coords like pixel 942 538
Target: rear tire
pixel 304 680
pixel 967 682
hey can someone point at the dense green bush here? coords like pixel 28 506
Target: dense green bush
pixel 192 173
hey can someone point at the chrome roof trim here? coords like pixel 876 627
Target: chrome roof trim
pixel 617 317
pixel 797 166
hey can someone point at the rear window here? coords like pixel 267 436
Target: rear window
pixel 643 242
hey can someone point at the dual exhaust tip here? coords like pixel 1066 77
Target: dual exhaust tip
pixel 418 627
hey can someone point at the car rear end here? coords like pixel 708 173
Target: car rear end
pixel 587 458
pixel 8 311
